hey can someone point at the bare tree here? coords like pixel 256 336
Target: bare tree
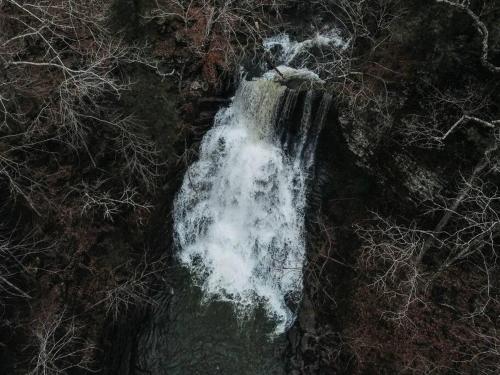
pixel 430 128
pixel 469 228
pixel 393 251
pixel 58 346
pixel 96 200
pixel 16 251
pixel 11 255
pixel 482 29
pixel 134 290
pixel 71 78
pixel 486 352
pixel 230 26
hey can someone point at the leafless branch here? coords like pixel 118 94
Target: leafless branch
pixel 464 5
pixel 59 347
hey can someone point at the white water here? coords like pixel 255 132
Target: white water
pixel 239 216
pixel 291 49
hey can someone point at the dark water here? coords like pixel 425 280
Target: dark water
pixel 187 335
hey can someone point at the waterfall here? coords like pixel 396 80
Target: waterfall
pixel 239 215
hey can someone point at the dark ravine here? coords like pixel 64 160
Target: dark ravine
pixel 421 69
pixel 344 191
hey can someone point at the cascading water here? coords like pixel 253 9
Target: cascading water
pixel 239 216
pixel 239 227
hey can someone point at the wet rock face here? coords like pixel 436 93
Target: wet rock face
pixel 422 183
pixel 303 341
pixel 389 163
pixel 361 140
